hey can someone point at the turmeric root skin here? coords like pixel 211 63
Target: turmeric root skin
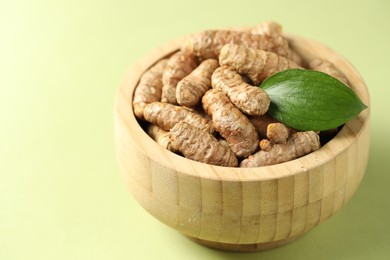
pixel 166 115
pixel 190 89
pixel 275 29
pixel 233 126
pixel 149 88
pixel 200 146
pixel 268 28
pixel 249 99
pixel 328 68
pixel 179 65
pixel 160 136
pixel 209 43
pixel 277 133
pixel 256 64
pixel 298 145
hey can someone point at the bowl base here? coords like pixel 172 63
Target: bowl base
pixel 245 247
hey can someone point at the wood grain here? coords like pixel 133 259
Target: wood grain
pixel 242 209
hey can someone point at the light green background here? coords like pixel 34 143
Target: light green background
pixel 61 194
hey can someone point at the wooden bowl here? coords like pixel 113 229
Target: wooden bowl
pixel 242 209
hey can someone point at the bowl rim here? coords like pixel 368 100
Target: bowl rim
pixel 149 148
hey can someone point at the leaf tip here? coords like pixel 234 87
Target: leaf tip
pixel 362 106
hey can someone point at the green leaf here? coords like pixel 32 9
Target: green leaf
pixel 310 100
